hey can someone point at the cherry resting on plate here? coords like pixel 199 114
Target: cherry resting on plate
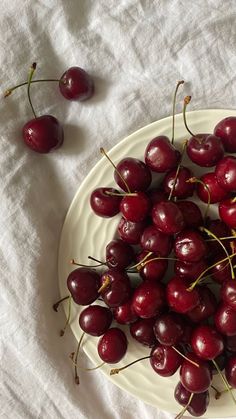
pixel 119 254
pixel 149 299
pixel 161 155
pixel 226 173
pixel 112 346
pixel 95 320
pixel 227 212
pixel 217 193
pixel 83 284
pixel 76 84
pixel 182 189
pixel 136 174
pixel 142 331
pixel 226 131
pixel 165 360
pixel 198 404
pixel 167 217
pixel 104 204
pixel 205 150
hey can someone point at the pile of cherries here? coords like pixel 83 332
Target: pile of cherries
pixel 186 318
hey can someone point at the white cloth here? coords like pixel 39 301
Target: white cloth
pixel 136 50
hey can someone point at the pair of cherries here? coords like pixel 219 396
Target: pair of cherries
pixel 45 133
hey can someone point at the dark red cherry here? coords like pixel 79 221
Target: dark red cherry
pixel 76 84
pixel 195 379
pixel 230 371
pixel 227 212
pixel 43 134
pixel 219 229
pixel 136 207
pixel 190 270
pixel 153 270
pixel 221 272
pixel 169 329
pixel 156 195
pixel 217 193
pixel 191 213
pixel 125 313
pixel 142 331
pixel 112 346
pixel 165 360
pixel 225 320
pixel 136 174
pixel 118 290
pixel 226 173
pixel 228 293
pixel 131 232
pixel 161 155
pixel 206 307
pixel 167 217
pixel 103 204
pixel 179 298
pixel 182 189
pixel 189 246
pixel 149 299
pixel 83 284
pixel 95 320
pixel 226 131
pixel 119 254
pixel 205 150
pixel 198 404
pixel 153 240
pixel 230 343
pixel 206 342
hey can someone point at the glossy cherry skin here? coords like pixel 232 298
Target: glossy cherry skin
pixel 226 173
pixel 149 299
pixel 226 131
pixel 189 246
pixel 217 193
pixel 228 293
pixel 83 284
pixel 230 371
pixel 206 307
pixel 169 329
pixel 182 189
pixel 142 331
pixel 198 404
pixel 119 289
pixel 161 155
pixel 131 232
pixel 95 320
pixel 136 207
pixel 43 134
pixel 153 270
pixel 205 150
pixel 103 204
pixel 227 212
pixel 112 346
pixel 225 320
pixel 136 174
pixel 195 379
pixel 165 360
pixel 76 84
pixel 206 342
pixel 179 298
pixel 119 254
pixel 167 217
pixel 153 240
pixel 125 313
pixel 189 270
pixel 230 343
pixel 191 213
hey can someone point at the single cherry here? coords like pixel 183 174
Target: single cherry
pixel 76 84
pixel 152 269
pixel 206 342
pixel 131 232
pixel 83 284
pixel 149 299
pixel 189 270
pixel 135 173
pixel 179 298
pixel 135 207
pixel 226 173
pixel 119 254
pixel 195 379
pixel 191 213
pixel 227 212
pixel 189 246
pixel 117 287
pixel 226 131
pixel 165 360
pixel 206 308
pixel 217 193
pixel 142 331
pixel 167 217
pixel 95 320
pixel 225 320
pixel 125 313
pixel 153 240
pixel 161 155
pixel 205 150
pixel 182 188
pixel 112 346
pixel 169 329
pixel 103 203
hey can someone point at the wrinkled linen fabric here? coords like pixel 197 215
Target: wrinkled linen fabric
pixel 135 51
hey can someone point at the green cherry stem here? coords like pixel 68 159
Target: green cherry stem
pixel 62 332
pixel 173 110
pixel 9 91
pixel 31 73
pixel 186 102
pixel 224 381
pixel 181 414
pixel 117 370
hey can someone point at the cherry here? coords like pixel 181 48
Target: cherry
pixel 165 360
pixel 43 134
pixel 230 371
pixel 227 212
pixel 225 320
pixel 153 240
pixel 76 84
pixel 149 299
pixel 142 331
pixel 189 270
pixel 195 379
pixel 95 320
pixel 104 204
pixel 136 174
pixel 161 155
pixel 217 193
pixel 117 288
pixel 112 346
pixel 131 232
pixel 156 195
pixel 219 229
pixel 179 298
pixel 125 313
pixel 221 272
pixel 167 217
pixel 135 207
pixel 205 150
pixel 191 213
pixel 226 131
pixel 230 343
pixel 228 293
pixel 206 307
pixel 154 269
pixel 182 188
pixel 83 284
pixel 206 342
pixel 119 254
pixel 169 329
pixel 226 173
pixel 198 404
pixel 189 246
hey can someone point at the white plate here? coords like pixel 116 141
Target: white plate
pixel 85 234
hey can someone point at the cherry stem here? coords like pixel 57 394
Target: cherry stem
pixel 85 369
pixel 105 284
pixel 177 171
pixel 185 357
pixel 218 392
pixel 186 102
pixel 209 233
pixel 139 265
pixel 56 305
pixel 234 199
pixel 9 91
pixel 121 194
pixel 62 332
pixel 31 73
pixel 227 386
pixel 196 180
pixel 72 262
pixel 102 151
pixel 117 370
pixel 96 260
pixel 181 414
pixel 173 110
pixel 221 238
pixel 76 358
